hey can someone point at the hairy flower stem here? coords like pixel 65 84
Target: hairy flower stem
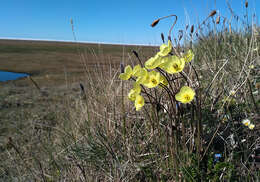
pixel 157 21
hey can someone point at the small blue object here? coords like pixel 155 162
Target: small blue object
pixel 217 157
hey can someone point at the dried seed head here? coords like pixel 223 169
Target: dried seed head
pixel 187 26
pixel 155 22
pixel 246 4
pixel 122 67
pixel 192 29
pixel 162 36
pixel 218 20
pixel 212 13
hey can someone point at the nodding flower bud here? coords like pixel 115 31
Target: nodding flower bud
pixel 212 13
pixel 218 20
pixel 192 29
pixel 246 4
pixel 162 36
pixel 155 22
pixel 122 67
pixel 135 53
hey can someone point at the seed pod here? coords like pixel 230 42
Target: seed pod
pixel 246 4
pixel 218 20
pixel 155 22
pixel 122 67
pixel 212 13
pixel 162 36
pixel 192 29
pixel 135 53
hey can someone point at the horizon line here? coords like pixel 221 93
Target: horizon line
pixel 73 41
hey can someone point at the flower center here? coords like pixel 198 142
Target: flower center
pixel 154 81
pixel 187 97
pixel 176 66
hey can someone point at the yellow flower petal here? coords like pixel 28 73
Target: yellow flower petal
pixel 165 49
pixel 251 126
pixel 188 56
pixel 246 122
pixel 134 92
pixel 139 102
pixel 136 70
pixel 132 95
pixel 142 77
pixel 153 62
pixel 137 87
pixel 127 74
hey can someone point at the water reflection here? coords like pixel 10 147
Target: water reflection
pixel 5 76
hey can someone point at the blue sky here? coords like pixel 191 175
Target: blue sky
pixel 110 21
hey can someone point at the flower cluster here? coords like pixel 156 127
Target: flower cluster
pixel 148 77
pixel 247 122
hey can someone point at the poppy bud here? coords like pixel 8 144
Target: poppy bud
pixel 155 22
pixel 192 29
pixel 212 13
pixel 135 53
pixel 122 67
pixel 162 36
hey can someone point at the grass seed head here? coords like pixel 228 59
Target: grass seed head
pixel 212 13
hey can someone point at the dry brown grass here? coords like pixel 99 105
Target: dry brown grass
pixel 50 63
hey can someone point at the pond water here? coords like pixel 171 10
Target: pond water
pixel 4 75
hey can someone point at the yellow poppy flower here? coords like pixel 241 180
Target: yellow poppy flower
pixel 251 126
pixel 246 122
pixel 153 79
pixel 173 65
pixel 185 95
pixel 188 56
pixel 165 49
pixel 139 102
pixel 134 92
pixel 127 74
